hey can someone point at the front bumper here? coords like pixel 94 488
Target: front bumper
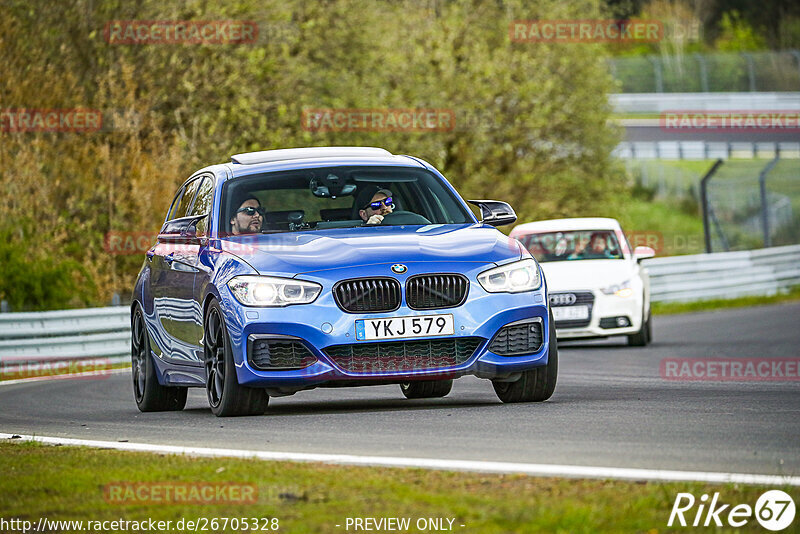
pixel 604 309
pixel 322 325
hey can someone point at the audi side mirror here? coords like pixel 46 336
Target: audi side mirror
pixel 495 212
pixel 642 253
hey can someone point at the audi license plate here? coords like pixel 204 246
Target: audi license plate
pixel 403 327
pixel 570 313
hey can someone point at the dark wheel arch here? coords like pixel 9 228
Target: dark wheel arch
pixel 225 395
pixel 149 394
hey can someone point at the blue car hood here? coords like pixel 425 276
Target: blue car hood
pixel 288 254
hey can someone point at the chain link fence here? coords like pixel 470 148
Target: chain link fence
pixel 753 205
pixel 746 205
pixel 703 73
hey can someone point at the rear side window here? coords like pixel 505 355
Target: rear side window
pixel 202 203
pixel 174 207
pixel 186 199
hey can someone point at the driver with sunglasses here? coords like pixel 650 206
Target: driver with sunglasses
pixel 248 218
pixel 374 203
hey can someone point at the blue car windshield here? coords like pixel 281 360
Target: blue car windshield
pixel 575 245
pixel 336 197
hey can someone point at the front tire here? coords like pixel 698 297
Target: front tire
pixel 535 385
pixel 150 396
pixel 426 389
pixel 225 396
pixel 644 336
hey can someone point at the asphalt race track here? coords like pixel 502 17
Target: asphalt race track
pixel 654 132
pixel 611 409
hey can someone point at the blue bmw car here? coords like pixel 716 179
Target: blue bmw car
pixel 287 270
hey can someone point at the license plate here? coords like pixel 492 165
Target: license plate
pixel 570 313
pixel 403 327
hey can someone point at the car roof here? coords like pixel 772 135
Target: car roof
pixel 299 158
pixel 564 225
pixel 283 154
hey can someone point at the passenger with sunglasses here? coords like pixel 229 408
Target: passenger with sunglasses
pixel 248 218
pixel 374 203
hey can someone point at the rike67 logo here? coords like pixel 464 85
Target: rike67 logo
pixel 774 510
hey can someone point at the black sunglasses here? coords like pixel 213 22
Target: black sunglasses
pixel 251 211
pixel 377 204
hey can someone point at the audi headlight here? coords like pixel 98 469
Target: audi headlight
pixel 515 277
pixel 625 289
pixel 272 291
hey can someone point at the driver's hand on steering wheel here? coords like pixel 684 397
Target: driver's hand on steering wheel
pixel 375 219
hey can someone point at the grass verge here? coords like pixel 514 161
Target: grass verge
pixel 661 225
pixel 72 483
pixel 665 308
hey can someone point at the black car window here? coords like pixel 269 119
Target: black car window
pixel 202 203
pixel 186 200
pixel 175 203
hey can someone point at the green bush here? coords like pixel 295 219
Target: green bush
pixel 531 118
pixel 34 279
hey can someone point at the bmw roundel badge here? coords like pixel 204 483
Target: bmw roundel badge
pixel 399 268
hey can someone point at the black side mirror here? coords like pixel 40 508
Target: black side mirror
pixel 183 228
pixel 495 212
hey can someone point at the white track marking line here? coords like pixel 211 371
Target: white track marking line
pixel 85 374
pixel 571 471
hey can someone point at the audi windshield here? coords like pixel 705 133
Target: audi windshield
pixel 573 245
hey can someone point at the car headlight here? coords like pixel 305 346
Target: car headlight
pixel 625 289
pixel 515 277
pixel 272 291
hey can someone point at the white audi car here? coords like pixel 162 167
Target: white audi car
pixel 597 286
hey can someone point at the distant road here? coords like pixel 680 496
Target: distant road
pixel 611 408
pixel 649 130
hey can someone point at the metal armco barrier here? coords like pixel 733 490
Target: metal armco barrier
pixel 65 335
pixel 105 332
pixel 661 102
pixel 724 275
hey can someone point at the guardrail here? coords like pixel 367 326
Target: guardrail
pixel 660 102
pixel 724 275
pixel 702 150
pixel 105 332
pixel 65 335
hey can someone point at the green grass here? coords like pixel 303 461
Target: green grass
pixel 685 172
pixel 68 483
pixel 662 224
pixel 664 308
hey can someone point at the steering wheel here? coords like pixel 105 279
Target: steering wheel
pixel 404 217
